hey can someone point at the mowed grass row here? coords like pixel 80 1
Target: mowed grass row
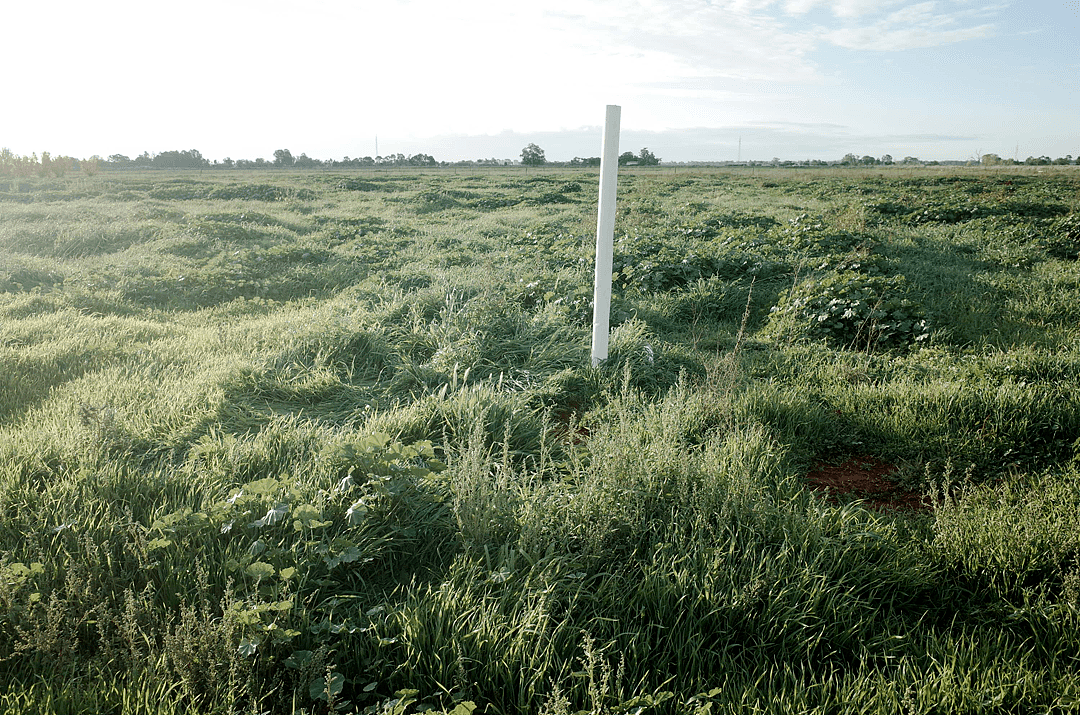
pixel 332 443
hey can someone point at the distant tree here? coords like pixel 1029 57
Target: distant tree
pixel 532 155
pixel 46 165
pixel 398 159
pixel 306 162
pixel 186 159
pixel 849 160
pixel 990 159
pixel 647 158
pixel 887 159
pixel 585 161
pixel 57 165
pixel 627 157
pixel 422 160
pixel 868 161
pixel 283 158
pixel 11 164
pixel 911 160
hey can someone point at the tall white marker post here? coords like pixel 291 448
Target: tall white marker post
pixel 605 234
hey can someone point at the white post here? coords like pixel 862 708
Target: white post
pixel 605 234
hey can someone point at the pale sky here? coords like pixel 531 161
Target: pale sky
pixel 794 79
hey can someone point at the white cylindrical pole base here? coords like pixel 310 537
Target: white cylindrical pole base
pixel 605 234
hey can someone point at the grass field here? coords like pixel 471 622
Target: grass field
pixel 325 442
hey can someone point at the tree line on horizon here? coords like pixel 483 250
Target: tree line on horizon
pixel 15 165
pixel 984 159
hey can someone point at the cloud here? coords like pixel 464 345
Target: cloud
pixel 925 24
pixel 737 39
pixel 647 42
pixel 839 8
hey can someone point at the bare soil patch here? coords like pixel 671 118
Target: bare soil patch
pixel 868 479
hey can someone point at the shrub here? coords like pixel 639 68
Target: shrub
pixel 1063 240
pixel 650 266
pixel 708 299
pixel 855 310
pixel 19 278
pixel 812 235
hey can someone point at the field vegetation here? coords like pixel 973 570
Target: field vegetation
pixel 331 442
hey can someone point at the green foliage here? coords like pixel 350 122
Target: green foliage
pixel 275 535
pixel 532 155
pixel 23 276
pixel 959 209
pixel 854 310
pixel 651 266
pixel 647 158
pixel 283 158
pixel 813 236
pixel 1063 239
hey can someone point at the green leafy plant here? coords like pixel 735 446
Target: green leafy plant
pixel 280 541
pixel 815 236
pixel 854 310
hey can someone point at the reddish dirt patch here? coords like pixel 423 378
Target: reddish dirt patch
pixel 867 479
pixel 565 421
